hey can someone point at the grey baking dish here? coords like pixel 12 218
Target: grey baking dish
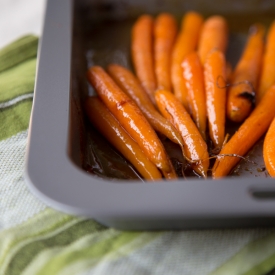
pixel 57 135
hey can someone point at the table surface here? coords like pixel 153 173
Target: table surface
pixel 20 17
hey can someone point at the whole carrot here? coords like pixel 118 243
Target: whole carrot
pixel 186 42
pixel 215 87
pixel 269 149
pixel 110 128
pixel 267 78
pixel 246 136
pixel 142 53
pixel 129 116
pixel 130 85
pixel 195 148
pixel 241 94
pixel 194 81
pixel 165 30
pixel 214 34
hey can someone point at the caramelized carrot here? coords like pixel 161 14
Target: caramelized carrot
pixel 269 149
pixel 246 136
pixel 129 116
pixel 194 81
pixel 215 87
pixel 110 128
pixel 195 148
pixel 142 53
pixel 214 34
pixel 186 42
pixel 241 94
pixel 130 85
pixel 267 78
pixel 165 30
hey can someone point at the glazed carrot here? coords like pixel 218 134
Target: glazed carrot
pixel 269 149
pixel 186 42
pixel 214 34
pixel 246 136
pixel 195 148
pixel 241 94
pixel 130 85
pixel 110 128
pixel 267 78
pixel 215 87
pixel 129 116
pixel 194 81
pixel 142 53
pixel 165 30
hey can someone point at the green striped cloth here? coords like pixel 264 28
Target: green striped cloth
pixel 35 239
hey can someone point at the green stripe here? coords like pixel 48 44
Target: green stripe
pixel 104 250
pixel 42 260
pixel 20 50
pixel 15 119
pixel 18 80
pixel 251 256
pixel 64 238
pixel 264 267
pixel 42 224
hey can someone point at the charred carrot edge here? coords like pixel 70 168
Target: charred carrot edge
pixel 214 35
pixel 195 147
pixel 269 149
pixel 106 123
pixel 267 78
pixel 186 42
pixel 142 53
pixel 241 94
pixel 165 30
pixel 194 81
pixel 246 136
pixel 215 87
pixel 130 85
pixel 129 116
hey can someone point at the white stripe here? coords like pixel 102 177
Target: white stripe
pixel 17 204
pixel 15 100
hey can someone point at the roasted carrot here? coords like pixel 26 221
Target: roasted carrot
pixel 130 85
pixel 269 149
pixel 110 128
pixel 214 34
pixel 186 42
pixel 195 148
pixel 215 87
pixel 246 136
pixel 142 53
pixel 165 30
pixel 267 78
pixel 129 116
pixel 241 94
pixel 194 81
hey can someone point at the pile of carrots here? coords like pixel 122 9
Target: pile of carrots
pixel 185 89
